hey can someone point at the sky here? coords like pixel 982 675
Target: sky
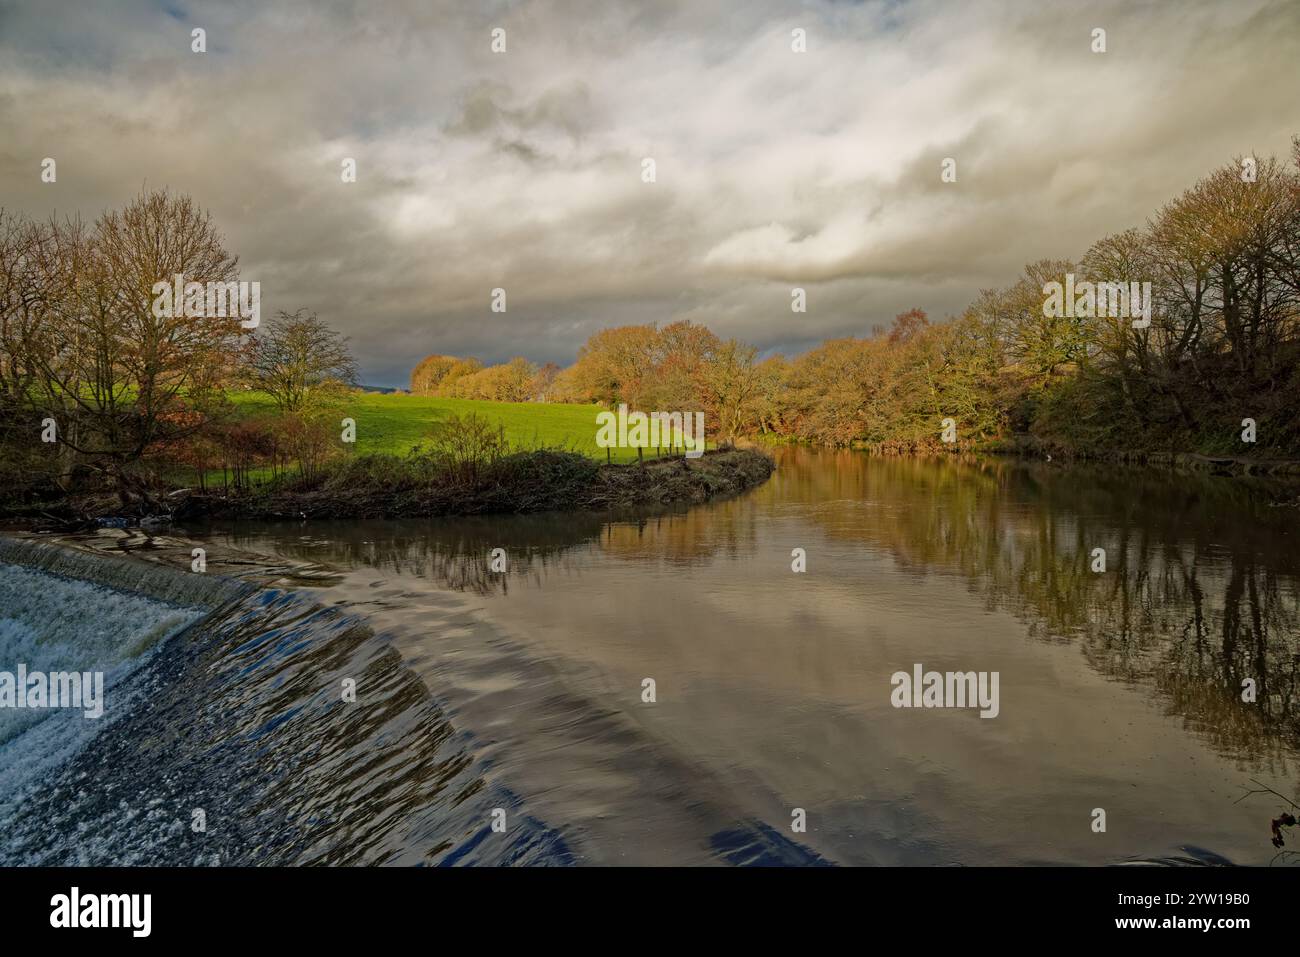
pixel 523 169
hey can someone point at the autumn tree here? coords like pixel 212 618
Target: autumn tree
pixel 771 405
pixel 542 388
pixel 429 373
pixel 117 376
pixel 508 382
pixel 681 356
pixel 617 365
pixel 459 369
pixel 23 289
pixel 730 382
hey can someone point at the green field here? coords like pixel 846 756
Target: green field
pixel 394 423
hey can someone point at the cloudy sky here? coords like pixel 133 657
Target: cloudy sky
pixel 522 169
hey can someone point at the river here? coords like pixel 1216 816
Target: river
pixel 1119 691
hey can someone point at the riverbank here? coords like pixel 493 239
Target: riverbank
pixel 529 482
pixel 1226 465
pixel 385 486
pixel 1029 448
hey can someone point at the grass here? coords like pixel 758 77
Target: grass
pixel 392 424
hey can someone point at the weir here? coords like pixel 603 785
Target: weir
pixel 148 579
pixel 76 629
pixel 305 737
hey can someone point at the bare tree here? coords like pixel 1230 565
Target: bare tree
pixel 296 357
pixel 84 346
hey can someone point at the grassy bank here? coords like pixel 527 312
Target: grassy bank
pixel 412 455
pixel 392 424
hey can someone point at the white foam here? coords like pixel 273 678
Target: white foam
pixel 51 623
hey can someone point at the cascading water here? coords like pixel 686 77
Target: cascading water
pixel 238 723
pixel 256 725
pixel 55 622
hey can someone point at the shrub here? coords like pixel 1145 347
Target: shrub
pixel 463 448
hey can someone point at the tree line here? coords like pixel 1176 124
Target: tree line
pixel 518 380
pixel 100 388
pixel 1222 345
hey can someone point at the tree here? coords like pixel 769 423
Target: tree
pixel 429 373
pixel 731 383
pixel 22 289
pixel 509 382
pixel 907 325
pixel 85 347
pixel 617 365
pixel 459 369
pixel 682 353
pixel 542 388
pixel 297 356
pixel 772 404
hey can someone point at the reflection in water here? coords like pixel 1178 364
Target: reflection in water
pixel 1200 590
pixel 1120 689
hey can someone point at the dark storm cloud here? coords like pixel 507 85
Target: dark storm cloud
pixel 522 170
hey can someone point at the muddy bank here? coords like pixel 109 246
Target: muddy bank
pixel 1214 464
pixel 546 481
pixel 679 481
pixel 1230 465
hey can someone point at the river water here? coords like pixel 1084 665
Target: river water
pixel 1120 692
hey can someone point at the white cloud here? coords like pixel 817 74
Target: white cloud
pixel 522 170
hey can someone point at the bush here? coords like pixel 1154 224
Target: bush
pixel 462 449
